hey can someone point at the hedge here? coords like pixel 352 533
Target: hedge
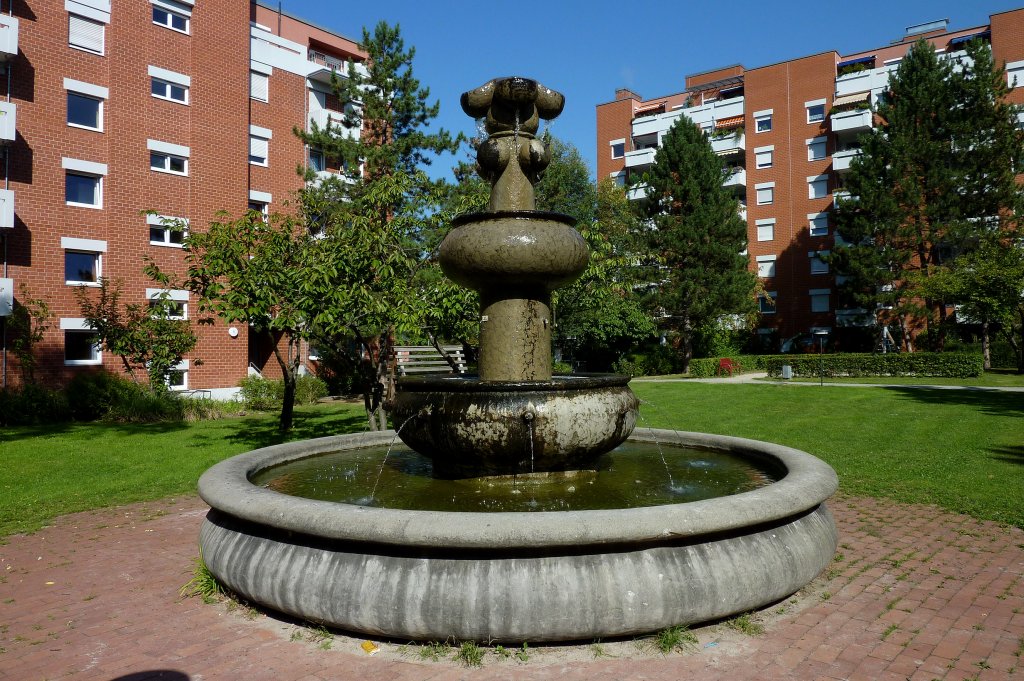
pixel 946 364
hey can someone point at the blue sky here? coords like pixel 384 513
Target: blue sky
pixel 587 49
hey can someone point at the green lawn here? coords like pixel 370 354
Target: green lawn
pixel 962 450
pixel 990 379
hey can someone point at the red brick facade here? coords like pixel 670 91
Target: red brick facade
pixel 803 181
pixel 212 58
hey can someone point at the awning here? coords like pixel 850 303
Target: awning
pixel 726 123
pixel 650 108
pixel 853 62
pixel 982 35
pixel 852 99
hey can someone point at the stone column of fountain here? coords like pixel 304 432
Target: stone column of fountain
pixel 515 418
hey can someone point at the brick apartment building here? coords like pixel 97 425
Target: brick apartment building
pixel 181 107
pixel 788 131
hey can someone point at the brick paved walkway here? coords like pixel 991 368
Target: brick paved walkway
pixel 915 593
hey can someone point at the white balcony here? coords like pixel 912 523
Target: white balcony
pixel 858 120
pixel 8 37
pixel 6 208
pixel 8 121
pixel 743 212
pixel 738 178
pixel 641 158
pixel 704 113
pixel 637 193
pixel 875 80
pixel 728 145
pixel 324 116
pixel 839 196
pixel 841 160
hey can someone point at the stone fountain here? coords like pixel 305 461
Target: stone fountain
pixel 517 576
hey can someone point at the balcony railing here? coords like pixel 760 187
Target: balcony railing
pixel 729 144
pixel 8 121
pixel 738 178
pixel 326 60
pixel 852 121
pixel 8 37
pixel 841 160
pixel 640 158
pixel 324 116
pixel 637 193
pixel 6 208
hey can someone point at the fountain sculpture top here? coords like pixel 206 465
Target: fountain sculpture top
pixel 512 109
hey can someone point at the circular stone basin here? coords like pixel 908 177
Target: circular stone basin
pixel 518 576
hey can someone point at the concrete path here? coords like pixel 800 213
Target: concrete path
pixel 914 593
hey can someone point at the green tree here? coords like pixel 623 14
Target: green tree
pixel 698 272
pixel 380 225
pixel 29 323
pixel 144 335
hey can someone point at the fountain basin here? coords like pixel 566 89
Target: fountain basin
pixel 473 428
pixel 516 577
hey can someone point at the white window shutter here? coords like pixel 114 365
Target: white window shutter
pixel 259 148
pixel 85 33
pixel 259 86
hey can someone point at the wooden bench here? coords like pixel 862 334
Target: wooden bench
pixel 425 359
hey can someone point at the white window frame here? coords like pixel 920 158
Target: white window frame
pixel 762 117
pixel 817 186
pixel 166 152
pixel 768 309
pixel 181 367
pixel 764 157
pixel 814 226
pixel 766 266
pixel 262 198
pixel 94 247
pixel 613 143
pixel 819 294
pixel 159 222
pixel 259 145
pixel 817 265
pixel 97 93
pixel 820 142
pixel 173 295
pixel 169 79
pixel 765 229
pixel 96 171
pixel 77 325
pixel 768 187
pixel 180 9
pixel 1015 73
pixel 817 104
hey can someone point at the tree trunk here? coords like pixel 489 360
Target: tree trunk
pixel 289 369
pixel 288 406
pixel 686 344
pixel 986 348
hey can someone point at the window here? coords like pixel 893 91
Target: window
pixel 817 186
pixel 815 111
pixel 177 378
pixel 765 265
pixel 1015 74
pixel 166 231
pixel 763 157
pixel 172 15
pixel 765 192
pixel 763 120
pixel 86 34
pixel 818 223
pixel 260 201
pixel 816 149
pixel 765 229
pixel 81 344
pixel 165 157
pixel 259 145
pixel 619 179
pixel 173 303
pixel 618 148
pixel 818 266
pixel 766 302
pixel 259 86
pixel 161 89
pixel 83 260
pixel 85 112
pixel 819 299
pixel 83 190
pixel 316 161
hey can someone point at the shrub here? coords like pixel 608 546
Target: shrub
pixel 561 368
pixel 261 394
pixel 141 405
pixel 201 409
pixel 654 360
pixel 945 364
pixel 308 389
pixel 31 405
pixel 92 395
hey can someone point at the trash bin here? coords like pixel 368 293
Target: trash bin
pixel 787 371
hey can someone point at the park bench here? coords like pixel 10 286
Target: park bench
pixel 425 359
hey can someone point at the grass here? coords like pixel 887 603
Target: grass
pixel 470 654
pixel 63 468
pixel 958 449
pixel 998 378
pixel 203 584
pixel 745 624
pixel 674 638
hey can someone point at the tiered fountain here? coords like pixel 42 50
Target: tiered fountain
pixel 636 560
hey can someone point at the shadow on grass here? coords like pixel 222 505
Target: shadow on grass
pixel 261 431
pixel 1012 454
pixel 984 400
pixel 63 427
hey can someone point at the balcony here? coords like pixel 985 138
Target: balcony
pixel 858 120
pixel 738 178
pixel 324 116
pixel 637 193
pixel 875 80
pixel 841 160
pixel 8 37
pixel 839 196
pixel 729 144
pixel 641 158
pixel 8 120
pixel 6 208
